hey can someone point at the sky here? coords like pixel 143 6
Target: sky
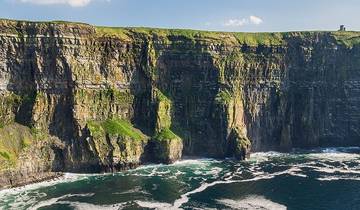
pixel 217 15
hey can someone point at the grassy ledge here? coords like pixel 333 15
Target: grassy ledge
pixel 115 127
pixel 166 135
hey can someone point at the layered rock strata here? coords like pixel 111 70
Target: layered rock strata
pixel 80 98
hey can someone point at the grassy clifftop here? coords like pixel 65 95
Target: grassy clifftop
pixel 348 38
pixel 209 36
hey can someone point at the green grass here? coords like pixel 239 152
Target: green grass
pixel 121 33
pixel 96 129
pixel 251 39
pixel 43 22
pixel 114 127
pixel 166 135
pixel 5 155
pixel 14 138
pixel 161 96
pixel 254 39
pixel 223 97
pixel 347 38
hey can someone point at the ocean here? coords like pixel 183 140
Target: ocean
pixel 324 178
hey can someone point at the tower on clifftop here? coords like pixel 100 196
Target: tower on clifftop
pixel 342 28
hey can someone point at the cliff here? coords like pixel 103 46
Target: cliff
pixel 80 98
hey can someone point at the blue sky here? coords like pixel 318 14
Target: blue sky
pixel 222 15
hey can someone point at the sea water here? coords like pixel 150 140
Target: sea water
pixel 326 179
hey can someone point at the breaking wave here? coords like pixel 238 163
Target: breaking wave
pixel 252 202
pixel 139 188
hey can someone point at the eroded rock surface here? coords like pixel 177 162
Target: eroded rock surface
pixel 114 98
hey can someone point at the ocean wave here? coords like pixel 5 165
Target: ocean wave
pixel 336 178
pixel 330 164
pixel 66 178
pixel 264 156
pixel 155 205
pixel 75 204
pixel 252 202
pixel 28 195
pixel 52 201
pixel 89 206
pixel 200 161
pixel 335 156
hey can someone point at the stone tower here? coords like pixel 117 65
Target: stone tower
pixel 342 28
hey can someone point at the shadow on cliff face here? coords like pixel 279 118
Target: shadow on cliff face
pixel 307 99
pixel 215 97
pixel 22 72
pixel 187 76
pixel 190 80
pixel 324 88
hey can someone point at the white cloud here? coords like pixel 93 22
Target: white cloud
pixel 244 21
pixel 236 22
pixel 73 3
pixel 255 20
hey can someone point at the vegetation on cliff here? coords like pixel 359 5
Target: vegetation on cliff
pixel 99 89
pixel 347 38
pixel 115 127
pixel 214 37
pixel 13 140
pixel 166 135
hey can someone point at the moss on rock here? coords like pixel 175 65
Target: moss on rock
pixel 163 111
pixel 9 105
pixel 26 155
pixel 14 139
pixel 223 97
pixel 117 143
pixel 167 147
pixel 240 145
pixel 166 135
pixel 122 128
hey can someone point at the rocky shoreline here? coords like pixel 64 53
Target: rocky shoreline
pixel 10 181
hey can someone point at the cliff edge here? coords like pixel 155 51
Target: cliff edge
pixel 81 98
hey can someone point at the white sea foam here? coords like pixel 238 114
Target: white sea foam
pixel 264 156
pixel 335 178
pixel 252 202
pixel 52 201
pixel 202 161
pixel 335 156
pixel 28 195
pixel 89 206
pixel 296 171
pixel 136 189
pixel 67 177
pixel 154 205
pixel 184 198
pixel 333 164
pixel 33 205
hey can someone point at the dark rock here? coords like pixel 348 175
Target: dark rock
pixel 217 94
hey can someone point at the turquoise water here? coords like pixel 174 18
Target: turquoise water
pixel 318 179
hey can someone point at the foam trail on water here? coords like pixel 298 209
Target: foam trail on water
pixel 67 177
pixel 154 205
pixel 184 198
pixel 252 202
pixel 326 164
pixel 55 200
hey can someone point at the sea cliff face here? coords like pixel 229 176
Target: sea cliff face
pixel 80 98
